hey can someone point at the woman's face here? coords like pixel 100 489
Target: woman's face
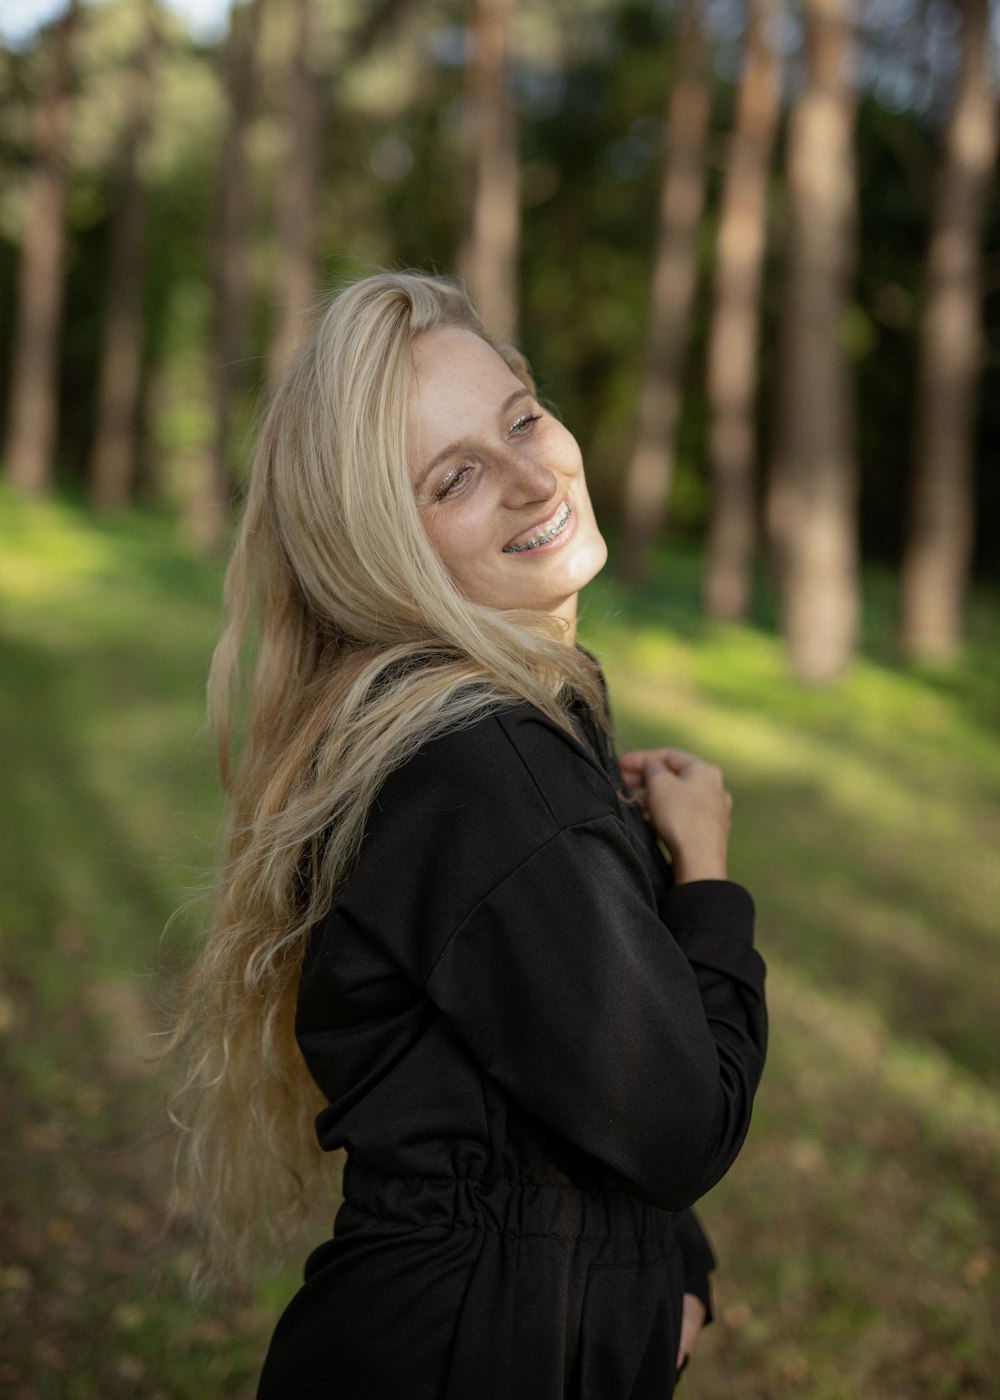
pixel 499 481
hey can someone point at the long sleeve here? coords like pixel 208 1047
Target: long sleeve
pixel 640 1044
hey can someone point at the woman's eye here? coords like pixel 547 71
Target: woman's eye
pixel 450 482
pixel 525 421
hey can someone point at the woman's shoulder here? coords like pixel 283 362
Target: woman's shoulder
pixel 512 759
pixel 458 819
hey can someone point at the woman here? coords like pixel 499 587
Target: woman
pixel 445 905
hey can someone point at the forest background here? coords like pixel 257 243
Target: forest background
pixel 753 252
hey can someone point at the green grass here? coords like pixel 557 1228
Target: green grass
pixel 857 1233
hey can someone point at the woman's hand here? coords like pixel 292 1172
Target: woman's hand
pixel 687 804
pixel 692 1321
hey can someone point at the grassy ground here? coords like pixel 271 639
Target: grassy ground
pixel 858 1233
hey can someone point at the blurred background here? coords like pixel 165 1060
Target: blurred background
pixel 753 252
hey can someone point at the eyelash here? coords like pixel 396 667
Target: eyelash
pixel 449 485
pixel 525 421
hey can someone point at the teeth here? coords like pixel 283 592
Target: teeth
pixel 545 536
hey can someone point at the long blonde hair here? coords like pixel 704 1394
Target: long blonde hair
pixel 361 650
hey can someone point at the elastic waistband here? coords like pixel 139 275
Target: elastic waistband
pixel 508 1207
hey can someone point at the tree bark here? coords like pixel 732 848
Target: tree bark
pixel 488 256
pixel 115 453
pixel 33 409
pixel 210 502
pixel 297 278
pixel 812 500
pixel 735 326
pixel 938 551
pixel 649 473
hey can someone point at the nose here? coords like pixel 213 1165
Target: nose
pixel 527 480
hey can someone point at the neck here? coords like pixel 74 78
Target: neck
pixel 567 612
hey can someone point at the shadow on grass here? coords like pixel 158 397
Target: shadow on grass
pixel 73 858
pixel 671 601
pixel 851 904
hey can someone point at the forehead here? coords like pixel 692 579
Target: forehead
pixel 455 371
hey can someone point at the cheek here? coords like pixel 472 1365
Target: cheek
pixel 460 543
pixel 569 452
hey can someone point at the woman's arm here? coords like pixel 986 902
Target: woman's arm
pixel 642 1045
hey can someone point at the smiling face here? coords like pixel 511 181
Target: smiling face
pixel 499 482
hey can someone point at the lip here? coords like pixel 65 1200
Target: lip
pixel 546 522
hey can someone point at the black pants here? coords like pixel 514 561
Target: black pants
pixel 441 1290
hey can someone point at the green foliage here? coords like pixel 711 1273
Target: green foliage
pixel 590 85
pixel 858 1232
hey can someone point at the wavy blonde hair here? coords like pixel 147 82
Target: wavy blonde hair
pixel 347 646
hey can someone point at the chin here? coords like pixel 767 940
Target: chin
pixel 591 557
pixel 587 562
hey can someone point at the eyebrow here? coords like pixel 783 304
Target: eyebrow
pixel 459 444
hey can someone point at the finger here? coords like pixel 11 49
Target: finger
pixel 636 786
pixel 654 769
pixel 631 762
pixel 638 758
pixel 692 1321
pixel 677 760
pixel 689 1332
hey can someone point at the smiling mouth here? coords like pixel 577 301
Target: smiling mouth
pixel 545 537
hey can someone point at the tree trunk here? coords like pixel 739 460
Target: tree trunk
pixel 735 327
pixel 33 411
pixel 812 502
pixel 489 253
pixel 297 279
pixel 649 473
pixel 115 454
pixel 938 552
pixel 209 504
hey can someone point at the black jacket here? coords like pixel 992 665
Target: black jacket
pixel 539 1053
